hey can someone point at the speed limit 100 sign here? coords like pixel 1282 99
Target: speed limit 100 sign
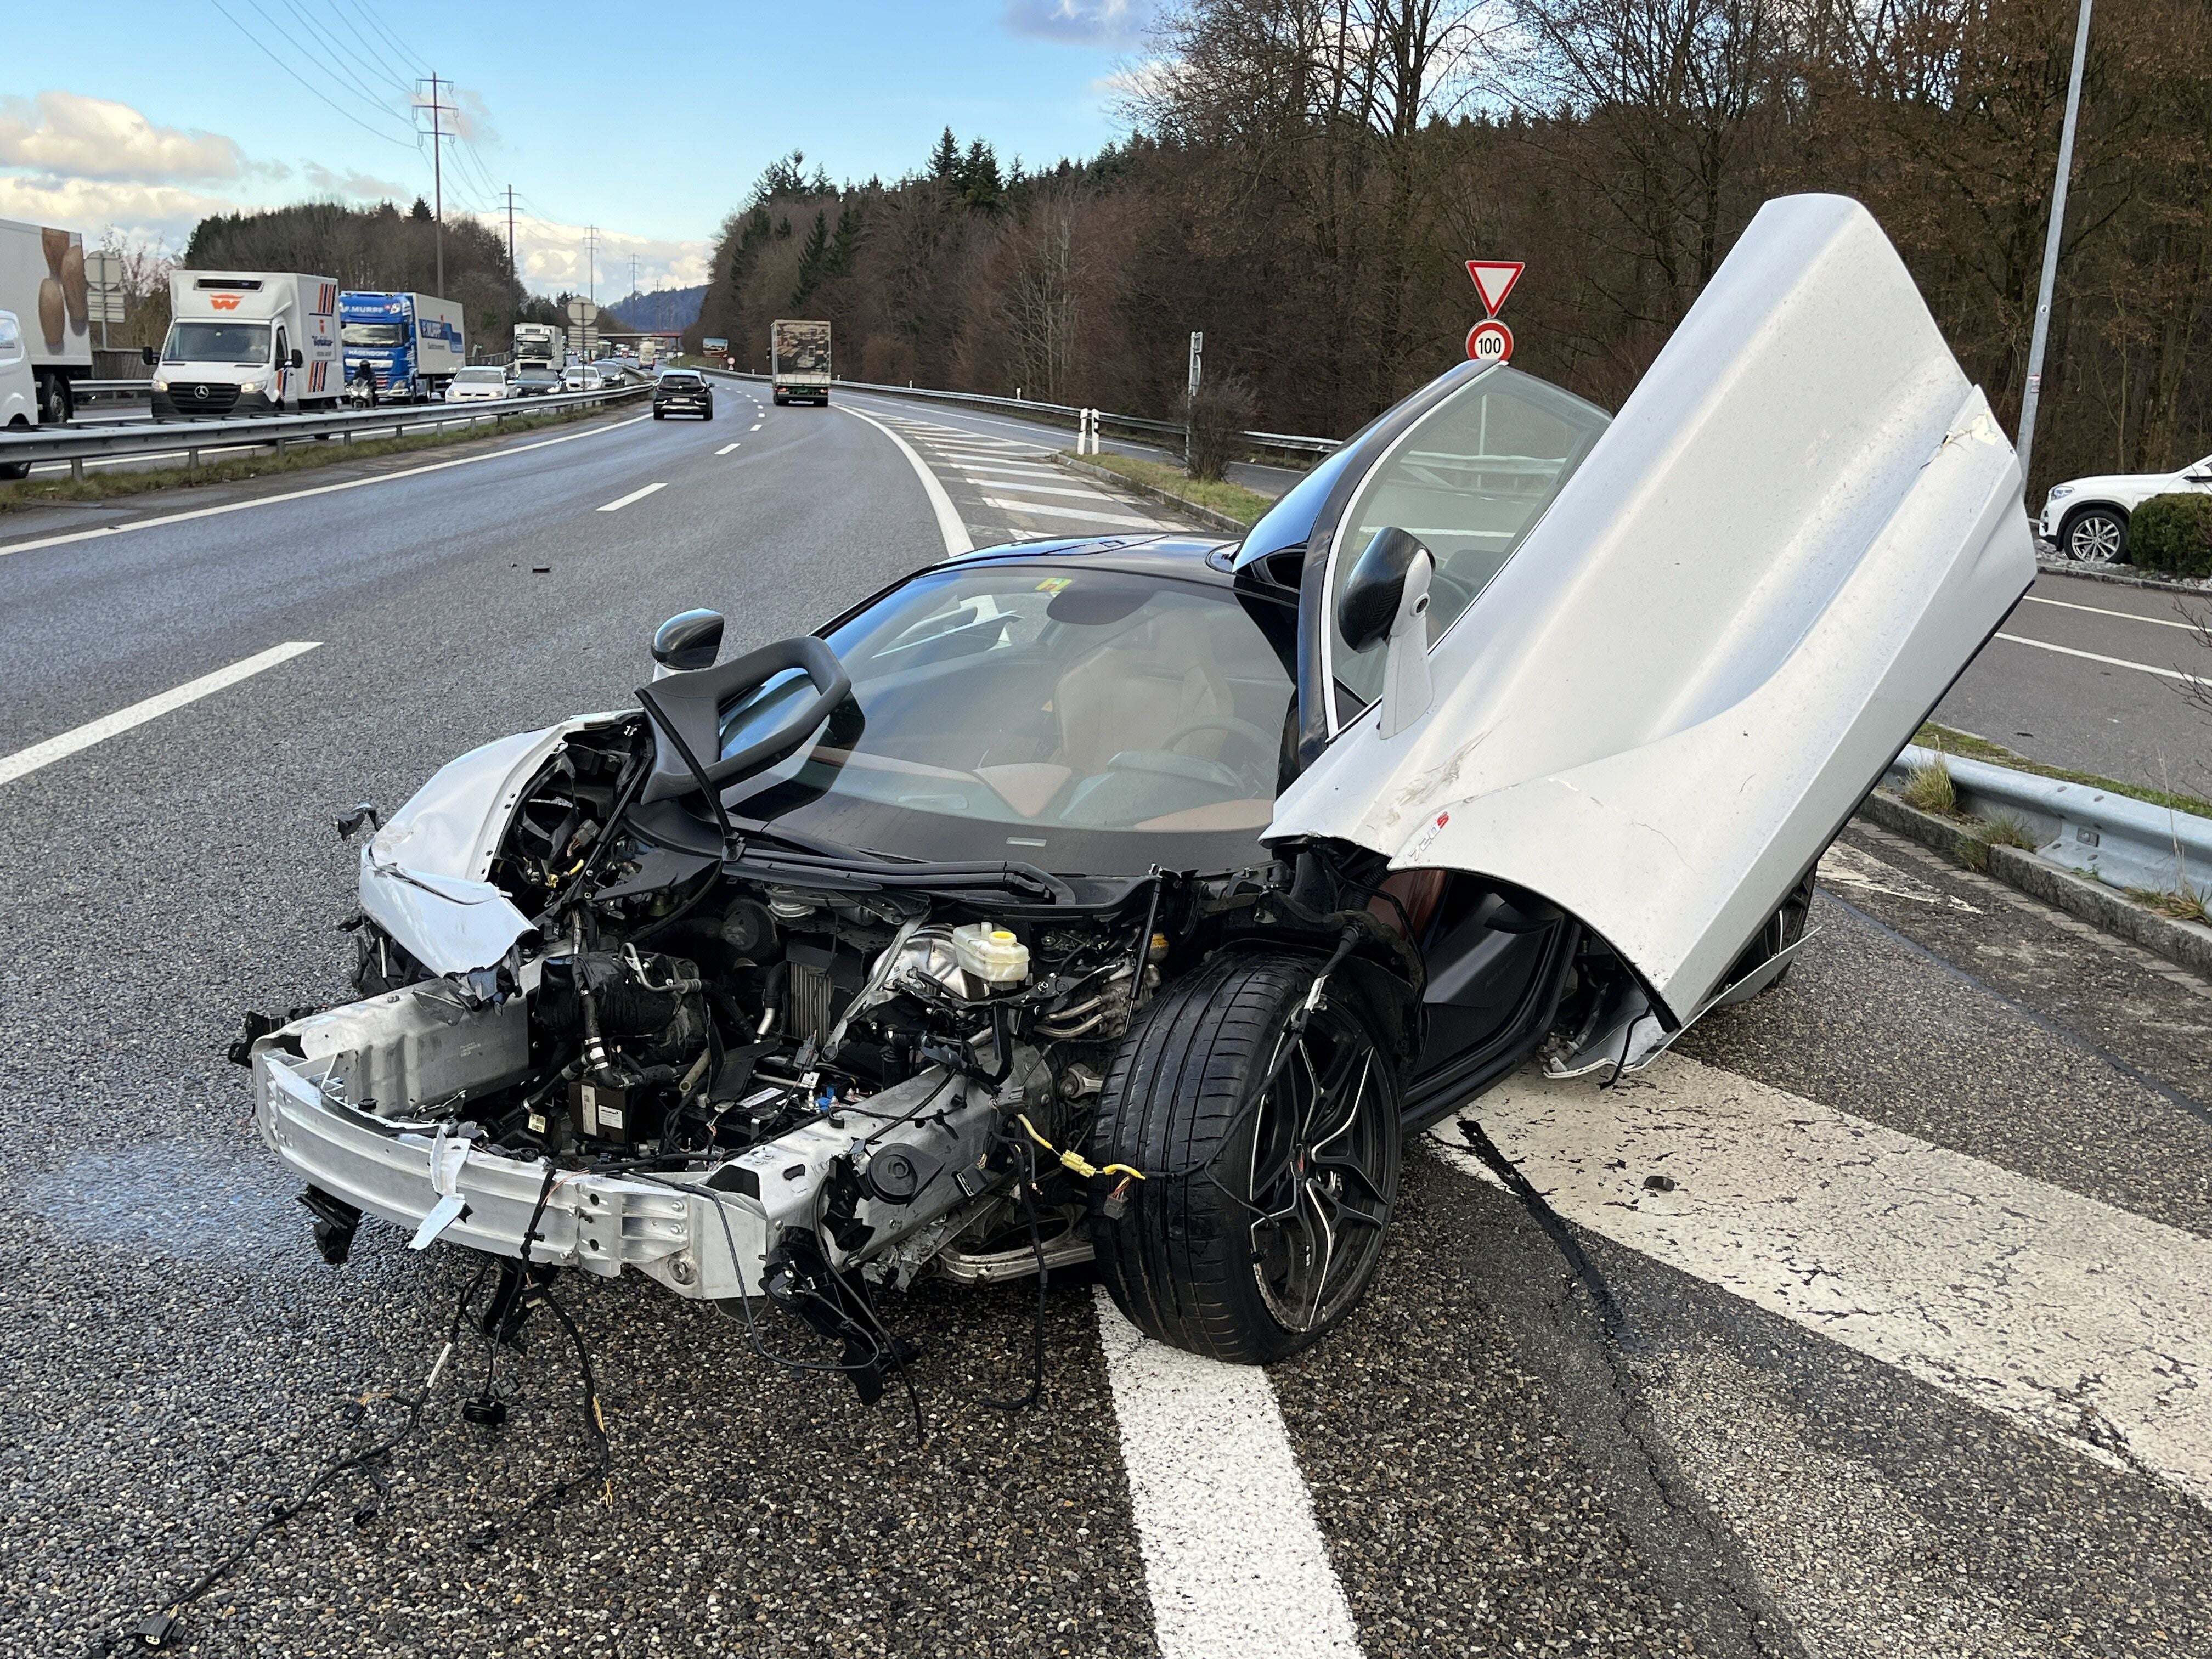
pixel 1490 342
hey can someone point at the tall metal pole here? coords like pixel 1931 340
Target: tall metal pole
pixel 514 275
pixel 2034 393
pixel 438 179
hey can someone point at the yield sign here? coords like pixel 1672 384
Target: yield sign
pixel 1494 279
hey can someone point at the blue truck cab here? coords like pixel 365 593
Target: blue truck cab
pixel 411 343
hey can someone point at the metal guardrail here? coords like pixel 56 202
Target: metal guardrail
pixel 2122 842
pixel 1280 443
pixel 79 444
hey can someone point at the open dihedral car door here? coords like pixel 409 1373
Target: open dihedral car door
pixel 1766 571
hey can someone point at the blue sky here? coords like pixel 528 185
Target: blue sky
pixel 165 112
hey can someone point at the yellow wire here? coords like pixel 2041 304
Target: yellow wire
pixel 1075 1161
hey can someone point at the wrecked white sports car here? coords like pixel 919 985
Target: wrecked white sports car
pixel 1130 899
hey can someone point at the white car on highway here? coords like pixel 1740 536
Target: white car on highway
pixel 2087 518
pixel 477 386
pixel 19 391
pixel 581 377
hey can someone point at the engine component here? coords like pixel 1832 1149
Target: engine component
pixel 402 1053
pixel 993 955
pixel 749 930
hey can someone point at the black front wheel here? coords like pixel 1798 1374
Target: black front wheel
pixel 1271 1159
pixel 2095 535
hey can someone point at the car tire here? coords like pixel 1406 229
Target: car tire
pixel 54 401
pixel 12 471
pixel 1214 1251
pixel 778 398
pixel 2094 534
pixel 659 415
pixel 1780 931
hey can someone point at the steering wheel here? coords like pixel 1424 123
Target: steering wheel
pixel 1258 771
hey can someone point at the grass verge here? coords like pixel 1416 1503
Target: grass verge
pixel 305 455
pixel 1245 506
pixel 1968 746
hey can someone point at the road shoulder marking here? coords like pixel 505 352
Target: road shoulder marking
pixel 956 538
pixel 1234 1560
pixel 2091 656
pixel 2084 1323
pixel 24 761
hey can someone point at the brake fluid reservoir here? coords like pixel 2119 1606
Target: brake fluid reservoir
pixel 991 954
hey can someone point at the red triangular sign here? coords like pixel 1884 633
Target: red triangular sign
pixel 1494 279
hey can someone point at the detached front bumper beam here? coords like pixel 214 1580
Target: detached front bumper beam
pixel 404 1173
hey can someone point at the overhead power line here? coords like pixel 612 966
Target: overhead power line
pixel 263 49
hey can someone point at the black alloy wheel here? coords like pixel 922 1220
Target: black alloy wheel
pixel 2094 534
pixel 1272 1157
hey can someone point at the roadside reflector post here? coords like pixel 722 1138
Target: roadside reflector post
pixel 77 465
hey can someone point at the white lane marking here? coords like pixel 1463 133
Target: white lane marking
pixel 968 457
pixel 1043 489
pixel 83 737
pixel 621 502
pixel 302 494
pixel 1025 469
pixel 2091 656
pixel 1844 866
pixel 725 449
pixel 1234 1561
pixel 2100 610
pixel 755 427
pixel 956 538
pixel 1042 510
pixel 2082 1322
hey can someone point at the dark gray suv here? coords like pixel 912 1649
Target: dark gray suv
pixel 682 391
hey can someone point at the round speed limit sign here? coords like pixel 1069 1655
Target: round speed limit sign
pixel 1490 342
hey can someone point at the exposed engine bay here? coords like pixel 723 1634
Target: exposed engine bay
pixel 774 1073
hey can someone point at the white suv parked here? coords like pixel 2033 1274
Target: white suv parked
pixel 2087 518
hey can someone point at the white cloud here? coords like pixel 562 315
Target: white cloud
pixel 350 186
pixel 1140 83
pixel 1085 23
pixel 65 134
pixel 556 256
pixel 147 213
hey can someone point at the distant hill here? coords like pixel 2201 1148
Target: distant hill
pixel 671 310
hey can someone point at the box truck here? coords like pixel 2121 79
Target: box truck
pixel 42 282
pixel 412 344
pixel 248 342
pixel 540 345
pixel 798 361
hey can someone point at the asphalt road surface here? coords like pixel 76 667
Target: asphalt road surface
pixel 1885 1332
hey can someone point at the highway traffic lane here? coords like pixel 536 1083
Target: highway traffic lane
pixel 2097 717
pixel 89 626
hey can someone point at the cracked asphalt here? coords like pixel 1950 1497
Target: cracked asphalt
pixel 1490 1469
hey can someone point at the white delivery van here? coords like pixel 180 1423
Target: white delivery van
pixel 42 282
pixel 249 342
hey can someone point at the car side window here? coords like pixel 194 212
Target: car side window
pixel 11 340
pixel 1470 478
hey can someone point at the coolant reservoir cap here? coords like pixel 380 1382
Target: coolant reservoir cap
pixel 993 955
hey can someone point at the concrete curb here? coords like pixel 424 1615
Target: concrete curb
pixel 1205 515
pixel 2183 943
pixel 2098 573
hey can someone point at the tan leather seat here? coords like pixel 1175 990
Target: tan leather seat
pixel 1131 693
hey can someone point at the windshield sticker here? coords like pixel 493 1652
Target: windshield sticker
pixel 1054 584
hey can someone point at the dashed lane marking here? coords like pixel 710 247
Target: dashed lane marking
pixel 29 760
pixel 725 449
pixel 621 502
pixel 1234 1560
pixel 318 490
pixel 2092 656
pixel 2085 1323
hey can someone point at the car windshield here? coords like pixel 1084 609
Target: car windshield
pixel 480 376
pixel 1093 721
pixel 218 343
pixel 374 334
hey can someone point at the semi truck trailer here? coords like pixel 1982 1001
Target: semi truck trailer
pixel 540 345
pixel 42 282
pixel 798 361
